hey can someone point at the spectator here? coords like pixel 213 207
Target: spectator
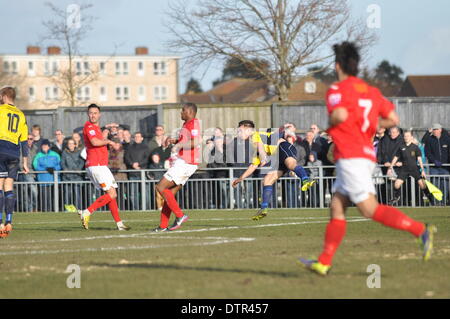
pixel 157 144
pixel 429 133
pixel 116 162
pixel 126 139
pixel 239 155
pixel 71 160
pixel 309 144
pixel 136 158
pixel 378 173
pixel 437 152
pixel 50 161
pixel 59 144
pixel 36 132
pixel 322 141
pixel 216 158
pixel 312 165
pixel 388 147
pixel 155 163
pixel 79 145
pixel 30 179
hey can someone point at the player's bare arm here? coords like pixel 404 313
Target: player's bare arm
pixel 250 170
pixel 25 168
pixel 99 142
pixel 391 120
pixel 419 159
pixel 338 116
pixel 262 153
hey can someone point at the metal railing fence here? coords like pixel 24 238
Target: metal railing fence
pixel 203 191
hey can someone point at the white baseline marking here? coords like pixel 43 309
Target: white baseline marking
pixel 132 247
pixel 163 235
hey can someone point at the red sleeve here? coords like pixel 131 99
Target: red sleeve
pixel 91 132
pixel 195 129
pixel 334 98
pixel 386 106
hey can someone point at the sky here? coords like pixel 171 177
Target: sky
pixel 413 34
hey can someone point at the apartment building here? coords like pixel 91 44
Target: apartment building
pixel 118 80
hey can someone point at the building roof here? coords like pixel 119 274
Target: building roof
pixel 426 86
pixel 249 90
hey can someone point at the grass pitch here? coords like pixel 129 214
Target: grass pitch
pixel 218 254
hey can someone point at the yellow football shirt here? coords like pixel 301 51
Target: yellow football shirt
pixel 13 129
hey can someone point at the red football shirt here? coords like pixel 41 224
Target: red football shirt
pixel 365 104
pixel 189 131
pixel 96 155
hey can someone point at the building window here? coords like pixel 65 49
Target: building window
pixel 118 70
pixel 159 68
pixel 46 68
pixel 78 67
pixel 84 93
pixel 125 68
pixel 31 71
pixel 87 69
pixel 87 93
pixel 6 67
pixel 14 67
pixel 103 96
pixel 54 67
pixel 122 93
pixel 141 70
pixel 51 93
pixel 118 93
pixel 141 93
pixel 160 93
pixel 102 68
pixel 31 94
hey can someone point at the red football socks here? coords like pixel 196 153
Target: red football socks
pixel 165 216
pixel 334 234
pixel 100 202
pixel 172 202
pixel 394 218
pixel 114 210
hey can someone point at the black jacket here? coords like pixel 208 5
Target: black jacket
pixel 437 149
pixel 388 147
pixel 239 153
pixel 137 153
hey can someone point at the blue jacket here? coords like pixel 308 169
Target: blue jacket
pixel 437 150
pixel 43 161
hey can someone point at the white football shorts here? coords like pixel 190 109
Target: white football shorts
pixel 354 179
pixel 101 177
pixel 180 172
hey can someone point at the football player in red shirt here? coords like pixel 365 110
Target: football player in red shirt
pixel 97 169
pixel 354 110
pixel 184 162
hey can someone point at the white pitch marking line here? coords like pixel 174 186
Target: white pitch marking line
pixel 162 235
pixel 46 252
pixel 153 219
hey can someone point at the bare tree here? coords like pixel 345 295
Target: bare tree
pixel 290 34
pixel 68 27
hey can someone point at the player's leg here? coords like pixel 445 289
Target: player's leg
pixel 287 155
pixel 268 182
pixel 114 208
pixel 2 204
pixel 165 212
pixel 334 233
pixel 13 166
pixel 397 191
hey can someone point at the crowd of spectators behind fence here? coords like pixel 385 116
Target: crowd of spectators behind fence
pixel 135 152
